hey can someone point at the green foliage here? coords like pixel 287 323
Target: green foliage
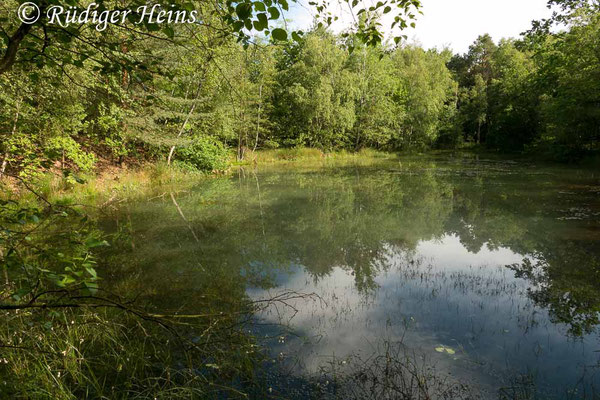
pixel 378 113
pixel 541 92
pixel 21 152
pixel 203 154
pixel 313 100
pixel 330 98
pixel 570 78
pixel 514 111
pixel 43 124
pixel 108 126
pixel 46 248
pixel 426 90
pixel 104 48
pixel 319 90
pixel 70 150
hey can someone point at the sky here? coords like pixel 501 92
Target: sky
pixel 457 23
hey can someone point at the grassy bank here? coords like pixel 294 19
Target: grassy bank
pixel 305 154
pixel 100 188
pixel 111 184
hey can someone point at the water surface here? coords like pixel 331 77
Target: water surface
pixel 484 272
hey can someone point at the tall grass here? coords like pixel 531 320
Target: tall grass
pixel 109 355
pixel 107 186
pixel 300 154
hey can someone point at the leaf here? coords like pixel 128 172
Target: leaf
pixel 168 30
pixel 444 349
pixel 274 13
pixel 152 28
pixel 66 280
pixel 262 18
pixel 238 25
pixel 243 10
pixel 259 6
pixel 92 272
pixel 279 34
pixel 92 242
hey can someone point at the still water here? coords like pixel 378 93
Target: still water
pixel 483 275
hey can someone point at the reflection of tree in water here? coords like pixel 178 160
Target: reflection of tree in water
pixel 347 217
pixel 566 281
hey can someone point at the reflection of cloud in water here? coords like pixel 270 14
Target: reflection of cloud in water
pixel 449 254
pixel 439 294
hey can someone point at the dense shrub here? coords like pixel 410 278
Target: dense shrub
pixel 70 150
pixel 204 154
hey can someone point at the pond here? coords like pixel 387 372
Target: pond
pixel 481 274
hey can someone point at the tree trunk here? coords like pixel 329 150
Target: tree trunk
pixel 4 163
pixel 187 118
pixel 258 118
pixel 13 46
pixel 7 61
pixel 12 133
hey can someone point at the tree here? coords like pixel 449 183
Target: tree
pixel 426 90
pixel 566 13
pixel 474 73
pixel 570 77
pixel 378 115
pixel 314 95
pixel 106 44
pixel 513 99
pixel 478 104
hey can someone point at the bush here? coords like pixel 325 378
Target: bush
pixel 270 144
pixel 71 150
pixel 204 154
pixel 23 155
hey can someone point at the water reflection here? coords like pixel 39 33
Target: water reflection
pixel 439 295
pixel 496 261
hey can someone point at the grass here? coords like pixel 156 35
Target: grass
pixel 113 185
pixel 109 186
pixel 299 154
pixel 104 354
